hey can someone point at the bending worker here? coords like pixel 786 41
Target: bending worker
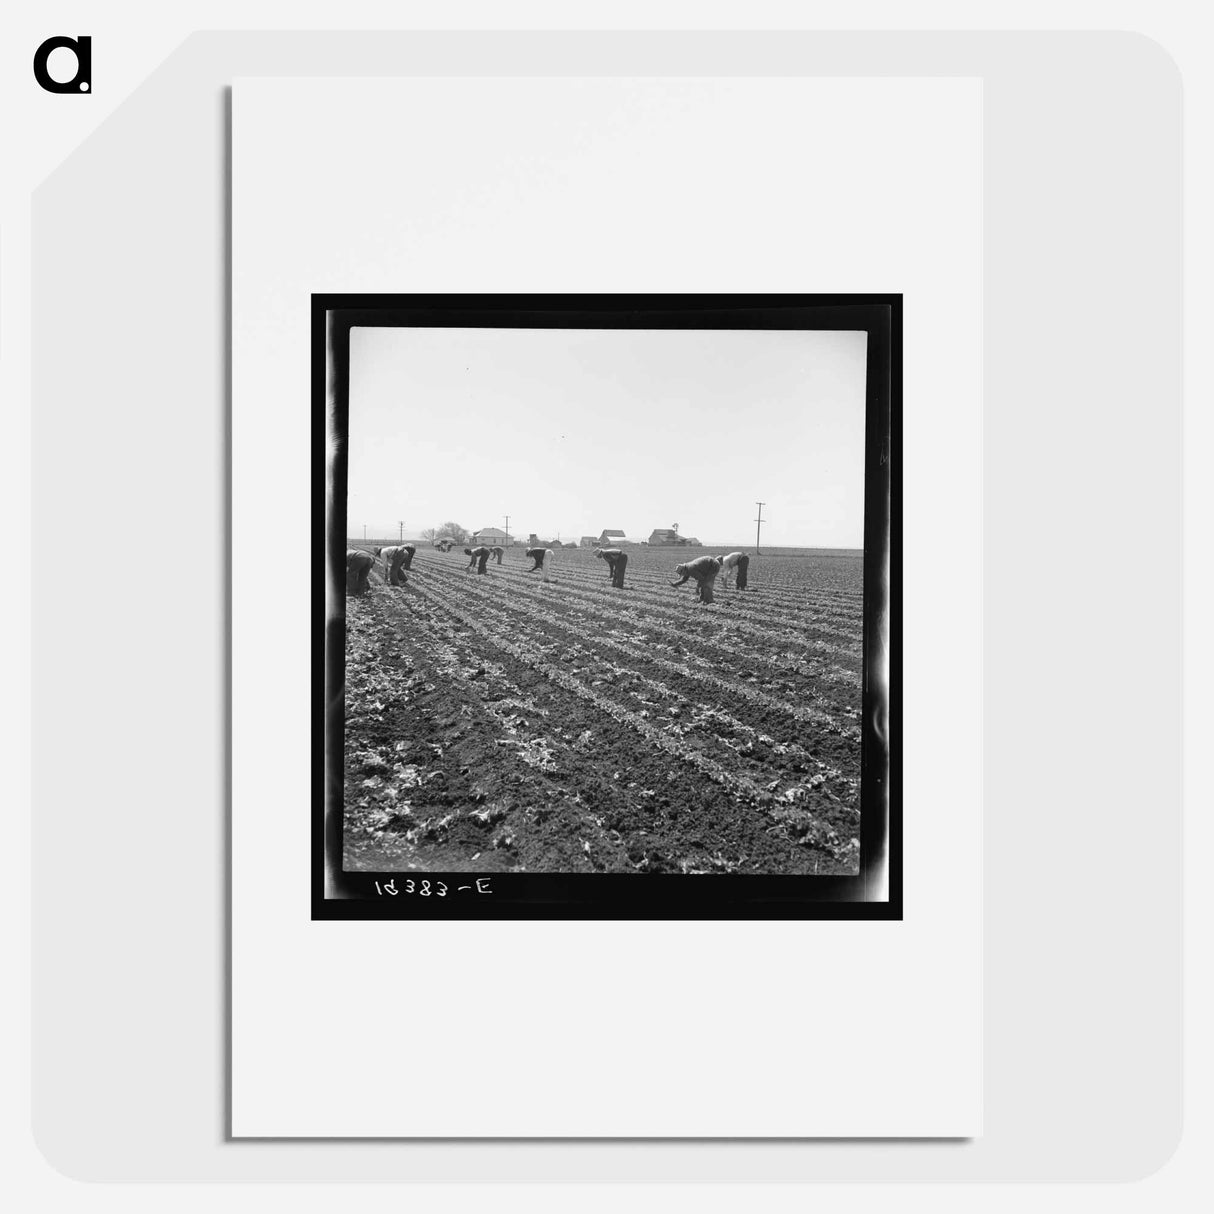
pixel 479 557
pixel 358 571
pixel 396 560
pixel 617 562
pixel 543 560
pixel 704 570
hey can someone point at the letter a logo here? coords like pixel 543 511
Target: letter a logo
pixel 82 48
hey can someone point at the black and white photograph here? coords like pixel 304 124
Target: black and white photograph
pixel 645 706
pixel 604 627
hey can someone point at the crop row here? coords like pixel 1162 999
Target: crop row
pixel 815 795
pixel 787 598
pixel 586 799
pixel 732 640
pixel 778 632
pixel 408 794
pixel 837 629
pixel 690 685
pixel 691 664
pixel 736 785
pixel 760 596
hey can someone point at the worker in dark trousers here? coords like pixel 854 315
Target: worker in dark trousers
pixel 617 562
pixel 497 554
pixel 704 570
pixel 479 557
pixel 358 571
pixel 542 558
pixel 396 561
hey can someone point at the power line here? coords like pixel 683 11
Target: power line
pixel 758 525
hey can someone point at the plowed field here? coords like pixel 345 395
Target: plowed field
pixel 498 723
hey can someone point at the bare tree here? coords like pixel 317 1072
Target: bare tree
pixel 430 534
pixel 455 531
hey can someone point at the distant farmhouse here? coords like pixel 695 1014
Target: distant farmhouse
pixel 492 536
pixel 589 541
pixel 668 535
pixel 610 538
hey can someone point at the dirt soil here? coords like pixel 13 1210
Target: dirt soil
pixel 498 723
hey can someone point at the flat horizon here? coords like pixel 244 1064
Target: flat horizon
pixel 410 539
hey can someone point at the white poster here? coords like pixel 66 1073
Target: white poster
pixel 610 820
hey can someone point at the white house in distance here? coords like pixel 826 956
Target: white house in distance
pixel 492 537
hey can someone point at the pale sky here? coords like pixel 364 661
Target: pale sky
pixel 577 430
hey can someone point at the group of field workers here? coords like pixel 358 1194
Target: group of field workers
pixel 359 564
pixel 398 558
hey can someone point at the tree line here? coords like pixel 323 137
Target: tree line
pixel 449 531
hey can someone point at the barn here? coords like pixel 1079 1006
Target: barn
pixel 611 538
pixel 668 536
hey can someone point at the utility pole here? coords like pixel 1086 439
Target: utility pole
pixel 507 518
pixel 401 525
pixel 758 525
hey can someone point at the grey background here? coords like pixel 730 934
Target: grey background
pixel 1082 685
